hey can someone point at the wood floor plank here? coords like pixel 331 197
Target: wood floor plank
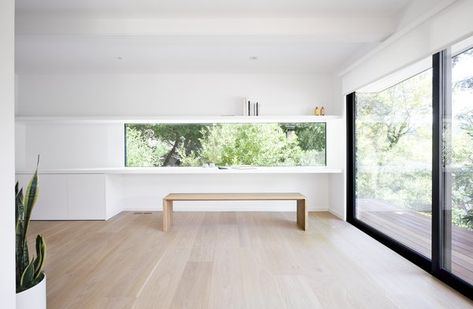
pixel 193 290
pixel 227 291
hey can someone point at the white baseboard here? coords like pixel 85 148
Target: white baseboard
pixel 336 214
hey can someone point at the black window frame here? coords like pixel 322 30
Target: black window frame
pixel 440 231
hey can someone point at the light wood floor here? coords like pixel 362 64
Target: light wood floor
pixel 230 260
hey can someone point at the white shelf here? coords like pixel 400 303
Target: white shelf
pixel 190 170
pixel 181 119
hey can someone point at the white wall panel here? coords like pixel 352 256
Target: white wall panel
pixel 7 155
pixel 68 196
pixel 70 146
pixel 86 197
pixel 52 197
pixel 145 192
pixel 171 94
pixel 113 195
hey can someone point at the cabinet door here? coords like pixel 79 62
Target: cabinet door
pixel 52 197
pixel 86 197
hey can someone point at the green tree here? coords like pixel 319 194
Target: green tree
pixel 226 144
pixel 462 184
pixel 310 136
pixel 392 138
pixel 249 144
pixel 138 153
pixel 182 137
pixel 459 156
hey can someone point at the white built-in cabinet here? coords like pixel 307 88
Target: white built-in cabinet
pixel 69 196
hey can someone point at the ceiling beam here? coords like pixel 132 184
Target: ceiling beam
pixel 335 29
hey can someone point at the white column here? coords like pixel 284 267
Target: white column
pixel 7 155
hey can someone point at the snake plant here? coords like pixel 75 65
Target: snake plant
pixel 29 272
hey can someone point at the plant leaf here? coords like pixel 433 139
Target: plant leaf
pixel 17 211
pixel 31 195
pixel 38 279
pixel 24 206
pixel 28 273
pixel 40 256
pixel 19 233
pixel 27 278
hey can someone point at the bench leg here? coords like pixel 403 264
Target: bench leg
pixel 167 215
pixel 302 221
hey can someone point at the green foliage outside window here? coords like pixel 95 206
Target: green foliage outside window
pixel 459 155
pixel 394 144
pixel 269 144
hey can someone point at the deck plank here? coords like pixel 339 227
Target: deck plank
pixel 414 230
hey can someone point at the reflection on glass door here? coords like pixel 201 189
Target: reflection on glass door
pixel 458 153
pixel 393 160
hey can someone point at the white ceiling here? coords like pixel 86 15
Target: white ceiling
pixel 151 36
pixel 144 54
pixel 216 8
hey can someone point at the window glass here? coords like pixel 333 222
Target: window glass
pixel 225 144
pixel 393 154
pixel 458 153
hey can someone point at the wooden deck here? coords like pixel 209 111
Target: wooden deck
pixel 414 230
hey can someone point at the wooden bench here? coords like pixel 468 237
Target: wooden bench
pixel 170 198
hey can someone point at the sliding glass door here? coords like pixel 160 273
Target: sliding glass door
pixel 458 166
pixel 393 157
pixel 410 163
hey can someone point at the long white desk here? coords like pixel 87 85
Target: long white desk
pixel 189 170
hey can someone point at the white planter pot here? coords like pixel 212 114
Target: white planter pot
pixel 33 298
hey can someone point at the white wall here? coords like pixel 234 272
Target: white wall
pixel 337 182
pixel 91 145
pixel 7 161
pixel 145 192
pixel 448 26
pixel 63 146
pixel 171 94
pixel 101 145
